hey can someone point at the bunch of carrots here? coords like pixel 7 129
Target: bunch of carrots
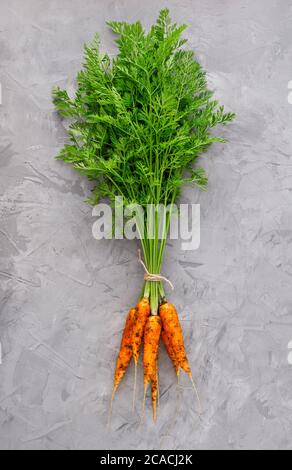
pixel 142 327
pixel 138 123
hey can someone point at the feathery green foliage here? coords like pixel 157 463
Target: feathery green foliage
pixel 139 121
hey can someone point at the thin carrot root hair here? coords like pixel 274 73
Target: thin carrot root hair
pixel 178 400
pixel 110 412
pixel 196 392
pixel 143 405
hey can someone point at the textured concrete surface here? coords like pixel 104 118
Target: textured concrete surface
pixel 64 295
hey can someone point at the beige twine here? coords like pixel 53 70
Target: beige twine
pixel 153 277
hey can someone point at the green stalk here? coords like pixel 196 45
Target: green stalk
pixel 134 117
pixel 153 252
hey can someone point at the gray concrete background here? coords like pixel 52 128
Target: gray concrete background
pixel 64 295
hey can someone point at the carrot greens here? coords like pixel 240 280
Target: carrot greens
pixel 138 123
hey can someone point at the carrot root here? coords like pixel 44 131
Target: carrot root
pixel 140 324
pixel 151 344
pixel 134 388
pixel 143 312
pixel 126 350
pixel 170 351
pixel 154 395
pixel 173 339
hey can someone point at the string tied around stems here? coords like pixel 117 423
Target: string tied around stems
pixel 151 276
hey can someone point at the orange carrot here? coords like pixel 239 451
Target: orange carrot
pixel 154 394
pixel 170 351
pixel 172 328
pixel 151 344
pixel 143 312
pixel 126 350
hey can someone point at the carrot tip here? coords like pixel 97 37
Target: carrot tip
pixel 196 392
pixel 134 389
pixel 144 400
pixel 111 408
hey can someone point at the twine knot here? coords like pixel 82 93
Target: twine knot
pixel 151 276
